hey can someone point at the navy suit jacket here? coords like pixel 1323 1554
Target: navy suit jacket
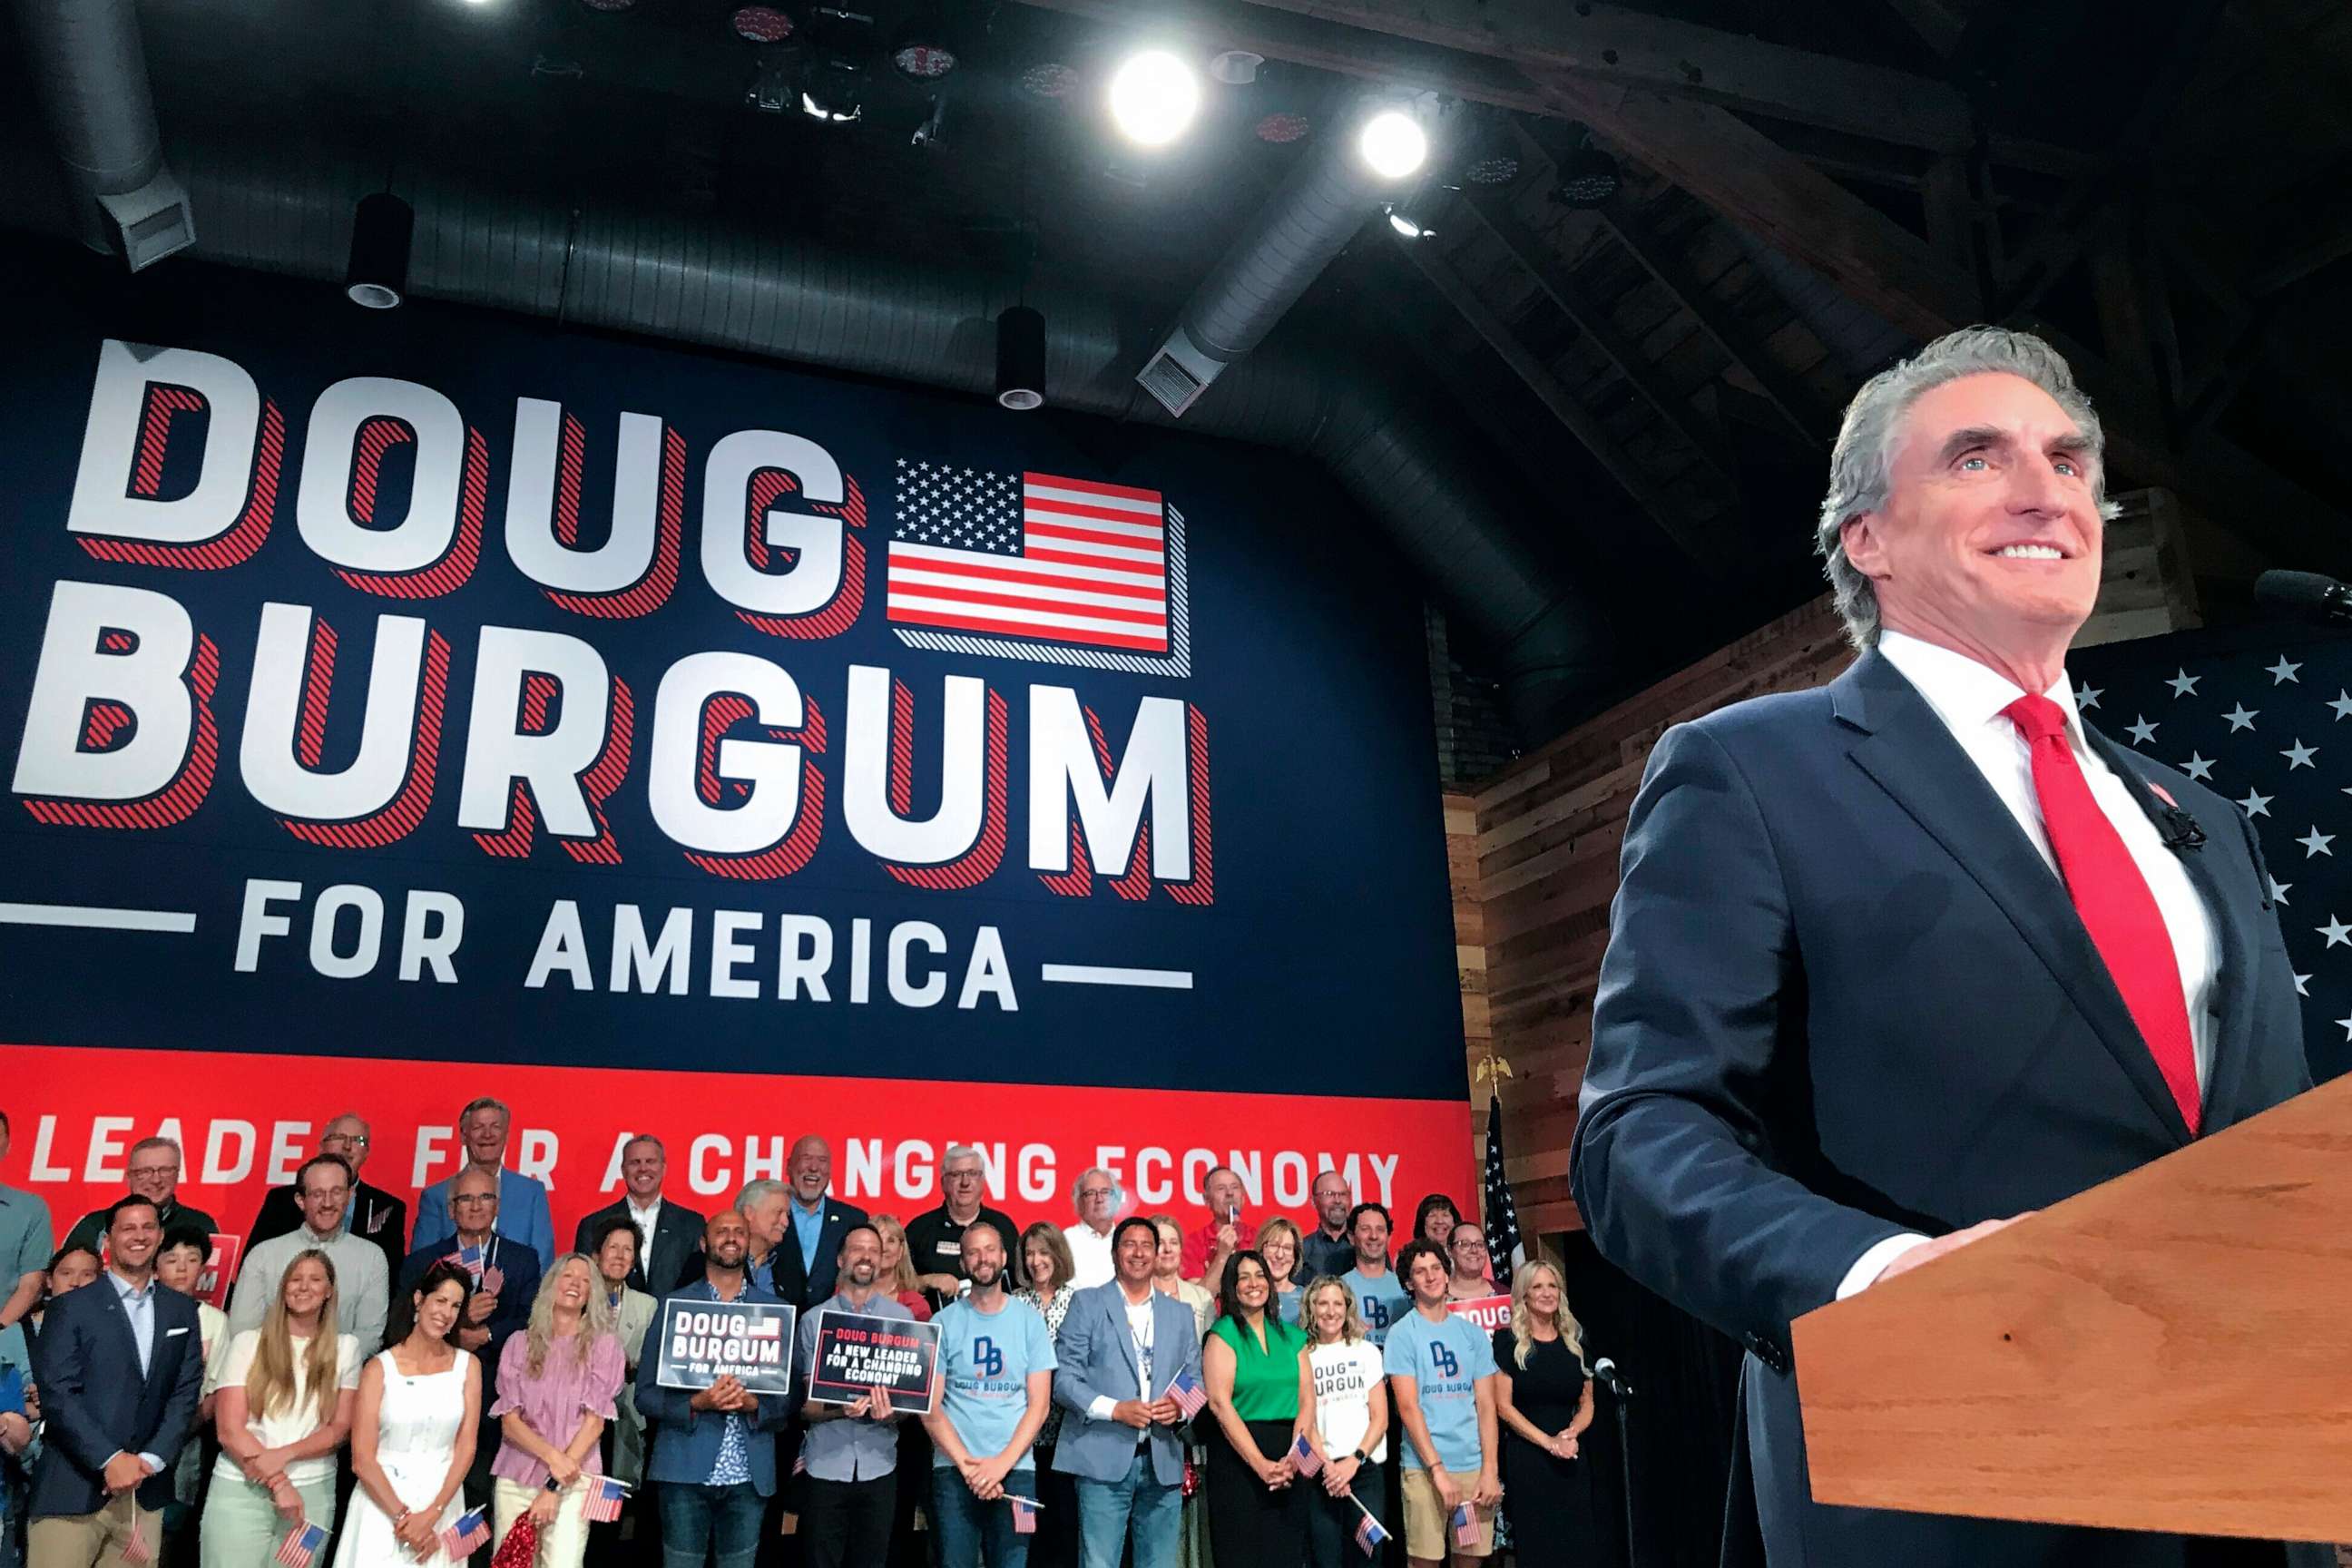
pixel 1844 997
pixel 686 1440
pixel 96 1404
pixel 804 1286
pixel 517 1292
pixel 675 1253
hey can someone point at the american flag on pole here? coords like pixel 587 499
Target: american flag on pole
pixel 300 1547
pixel 138 1549
pixel 605 1497
pixel 1038 567
pixel 1024 1516
pixel 1304 1456
pixel 469 1535
pixel 1188 1393
pixel 1504 1244
pixel 1368 1534
pixel 1465 1525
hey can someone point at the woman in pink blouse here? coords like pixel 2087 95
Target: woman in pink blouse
pixel 556 1386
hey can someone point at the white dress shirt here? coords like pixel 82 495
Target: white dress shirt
pixel 1090 1259
pixel 1969 697
pixel 645 1219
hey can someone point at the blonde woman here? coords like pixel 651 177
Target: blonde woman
pixel 557 1383
pixel 1343 1410
pixel 287 1394
pixel 1168 1277
pixel 1280 1243
pixel 898 1272
pixel 1543 1402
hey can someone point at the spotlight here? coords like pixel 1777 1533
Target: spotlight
pixel 1588 178
pixel 762 24
pixel 1407 226
pixel 1236 67
pixel 1049 78
pixel 1153 97
pixel 925 48
pixel 378 274
pixel 1393 143
pixel 1021 358
pixel 1282 128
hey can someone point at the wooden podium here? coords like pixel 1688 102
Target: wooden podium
pixel 2171 1351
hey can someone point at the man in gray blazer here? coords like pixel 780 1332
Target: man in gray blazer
pixel 1122 1346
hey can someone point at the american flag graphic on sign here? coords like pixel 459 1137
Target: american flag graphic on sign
pixel 1038 567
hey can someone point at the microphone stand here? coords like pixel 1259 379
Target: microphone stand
pixel 1621 1394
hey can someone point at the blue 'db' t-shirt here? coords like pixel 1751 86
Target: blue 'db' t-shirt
pixel 1445 1362
pixel 985 1360
pixel 1382 1301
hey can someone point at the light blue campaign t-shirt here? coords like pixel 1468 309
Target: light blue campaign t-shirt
pixel 1380 1301
pixel 985 1360
pixel 1445 1362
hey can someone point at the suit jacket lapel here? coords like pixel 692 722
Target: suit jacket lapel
pixel 2233 932
pixel 1121 1332
pixel 1906 750
pixel 111 1304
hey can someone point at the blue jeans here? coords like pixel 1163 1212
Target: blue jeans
pixel 1107 1509
pixel 720 1525
pixel 966 1527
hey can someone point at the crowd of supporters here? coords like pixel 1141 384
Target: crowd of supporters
pixel 1110 1387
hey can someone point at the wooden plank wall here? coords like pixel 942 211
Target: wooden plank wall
pixel 1533 851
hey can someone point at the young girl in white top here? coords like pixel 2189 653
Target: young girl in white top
pixel 283 1406
pixel 1342 1381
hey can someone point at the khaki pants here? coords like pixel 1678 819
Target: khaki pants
pixel 93 1540
pixel 562 1542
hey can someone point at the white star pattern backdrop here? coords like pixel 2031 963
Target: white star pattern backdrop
pixel 2264 718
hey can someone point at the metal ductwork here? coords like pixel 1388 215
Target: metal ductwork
pixel 1860 341
pixel 1308 220
pixel 86 57
pixel 698 280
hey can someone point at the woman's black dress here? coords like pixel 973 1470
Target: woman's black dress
pixel 1547 1500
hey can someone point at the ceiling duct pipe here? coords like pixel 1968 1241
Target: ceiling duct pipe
pixel 1308 220
pixel 1861 341
pixel 289 210
pixel 85 58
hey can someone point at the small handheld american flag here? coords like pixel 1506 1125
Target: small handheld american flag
pixel 469 1535
pixel 1024 1516
pixel 605 1497
pixel 1368 1534
pixel 1188 1393
pixel 138 1549
pixel 1465 1525
pixel 1303 1455
pixel 300 1547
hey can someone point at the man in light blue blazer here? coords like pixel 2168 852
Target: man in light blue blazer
pixel 1121 1347
pixel 523 1218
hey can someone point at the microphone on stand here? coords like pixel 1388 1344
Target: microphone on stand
pixel 1605 1373
pixel 2305 595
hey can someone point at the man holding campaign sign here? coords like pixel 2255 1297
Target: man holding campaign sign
pixel 714 1444
pixel 864 1363
pixel 996 1377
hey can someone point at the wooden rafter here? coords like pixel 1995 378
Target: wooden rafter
pixel 1702 545
pixel 1637 48
pixel 1539 263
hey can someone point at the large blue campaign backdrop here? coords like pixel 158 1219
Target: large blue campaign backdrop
pixel 1313 961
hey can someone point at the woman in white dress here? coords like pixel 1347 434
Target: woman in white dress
pixel 412 1435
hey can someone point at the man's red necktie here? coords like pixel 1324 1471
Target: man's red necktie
pixel 2113 897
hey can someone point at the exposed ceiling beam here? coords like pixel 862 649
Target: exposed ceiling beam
pixel 1805 414
pixel 1377 56
pixel 1733 168
pixel 1538 261
pixel 1938 25
pixel 1704 545
pixel 1637 48
pixel 2305 236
